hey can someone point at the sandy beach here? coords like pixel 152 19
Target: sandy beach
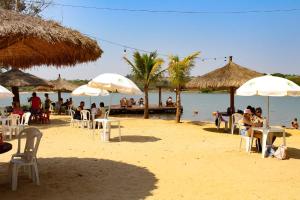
pixel 157 159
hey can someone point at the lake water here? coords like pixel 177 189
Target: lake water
pixel 282 109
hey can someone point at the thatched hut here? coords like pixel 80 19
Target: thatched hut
pixel 231 76
pixel 16 78
pixel 61 85
pixel 27 41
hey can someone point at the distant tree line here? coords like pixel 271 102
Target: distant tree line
pixel 292 77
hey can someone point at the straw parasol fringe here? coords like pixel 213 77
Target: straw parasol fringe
pixel 231 75
pixel 15 78
pixel 26 41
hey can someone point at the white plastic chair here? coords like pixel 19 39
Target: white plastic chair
pixel 73 121
pixel 236 117
pixel 100 123
pixel 248 141
pixel 85 118
pixel 25 120
pixel 12 126
pixel 26 158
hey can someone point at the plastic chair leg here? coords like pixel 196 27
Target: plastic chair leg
pixel 36 175
pixel 14 177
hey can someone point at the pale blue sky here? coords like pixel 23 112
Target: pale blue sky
pixel 266 42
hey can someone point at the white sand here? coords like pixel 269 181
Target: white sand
pixel 157 159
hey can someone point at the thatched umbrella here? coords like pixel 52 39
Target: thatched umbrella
pixel 231 76
pixel 16 78
pixel 61 85
pixel 27 41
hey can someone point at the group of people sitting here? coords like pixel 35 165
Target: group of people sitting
pixel 95 112
pixel 252 117
pixel 124 103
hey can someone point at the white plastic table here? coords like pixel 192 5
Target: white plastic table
pixel 265 133
pixel 106 125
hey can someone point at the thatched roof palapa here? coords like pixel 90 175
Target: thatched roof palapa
pixel 26 41
pixel 231 75
pixel 17 78
pixel 62 85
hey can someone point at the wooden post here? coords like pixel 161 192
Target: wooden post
pixel 15 91
pixel 59 95
pixel 232 110
pixel 159 97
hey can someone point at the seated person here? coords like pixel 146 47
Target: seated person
pixel 17 109
pixel 246 125
pixel 102 110
pixel 66 103
pixel 58 105
pixel 169 102
pixel 295 123
pixel 129 103
pixel 77 114
pixel 94 111
pixel 123 102
pixel 257 117
pixel 132 101
pixel 141 102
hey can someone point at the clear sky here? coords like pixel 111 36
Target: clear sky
pixel 266 42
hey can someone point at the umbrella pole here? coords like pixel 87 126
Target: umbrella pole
pixel 110 101
pixel 268 107
pixel 90 102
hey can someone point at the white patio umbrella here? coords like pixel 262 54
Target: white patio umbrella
pixel 85 90
pixel 5 93
pixel 269 86
pixel 115 83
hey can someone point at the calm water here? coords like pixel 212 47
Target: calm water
pixel 282 109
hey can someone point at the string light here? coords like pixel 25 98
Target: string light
pixel 290 10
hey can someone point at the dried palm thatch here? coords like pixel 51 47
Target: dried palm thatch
pixel 231 75
pixel 15 78
pixel 63 85
pixel 27 41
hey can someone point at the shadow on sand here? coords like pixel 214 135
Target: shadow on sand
pixel 198 123
pixel 83 178
pixel 293 153
pixel 135 138
pixel 215 130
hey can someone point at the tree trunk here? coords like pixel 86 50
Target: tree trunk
pixel 178 105
pixel 15 91
pixel 146 110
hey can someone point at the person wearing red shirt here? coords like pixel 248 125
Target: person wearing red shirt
pixel 17 109
pixel 35 104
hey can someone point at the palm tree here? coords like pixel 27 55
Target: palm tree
pixel 147 69
pixel 179 71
